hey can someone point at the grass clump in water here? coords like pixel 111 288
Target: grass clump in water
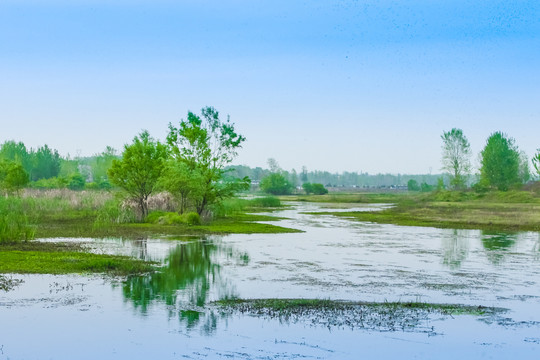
pixel 385 316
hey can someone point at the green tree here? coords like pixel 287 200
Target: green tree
pixel 46 163
pixel 319 189
pixel 307 188
pixel 139 169
pixel 13 177
pixel 536 161
pixel 500 162
pixel 17 152
pixel 206 144
pixel 184 184
pixel 456 157
pixel 276 184
pixel 412 185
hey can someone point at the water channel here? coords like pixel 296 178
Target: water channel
pixel 169 314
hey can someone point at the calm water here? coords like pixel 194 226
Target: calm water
pixel 169 315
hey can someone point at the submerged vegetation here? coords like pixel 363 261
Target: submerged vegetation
pixel 385 316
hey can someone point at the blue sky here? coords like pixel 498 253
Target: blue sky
pixel 333 85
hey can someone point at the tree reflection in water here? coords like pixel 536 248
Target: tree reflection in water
pixel 455 248
pixel 497 244
pixel 190 275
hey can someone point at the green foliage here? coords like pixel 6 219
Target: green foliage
pixel 14 224
pixel 500 162
pixel 53 258
pixel 315 188
pixel 13 177
pixel 308 188
pixel 46 163
pixel 113 212
pixel 192 218
pixel 456 157
pixel 440 184
pixel 101 164
pixel 536 162
pixel 319 189
pixel 173 218
pixel 264 202
pixel 206 144
pixel 184 184
pixel 138 171
pixel 276 184
pixel 76 182
pixel 17 152
pixel 425 187
pixel 412 185
pixel 52 183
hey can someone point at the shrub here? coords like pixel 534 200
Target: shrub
pixel 192 218
pixel 267 201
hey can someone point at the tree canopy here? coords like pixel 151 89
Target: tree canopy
pixel 139 169
pixel 206 144
pixel 500 162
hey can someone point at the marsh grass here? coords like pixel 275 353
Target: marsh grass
pixel 14 224
pixel 7 284
pixel 236 206
pixel 512 210
pixel 67 213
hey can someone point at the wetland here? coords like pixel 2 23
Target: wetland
pixel 337 288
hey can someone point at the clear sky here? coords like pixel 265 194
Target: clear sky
pixel 332 85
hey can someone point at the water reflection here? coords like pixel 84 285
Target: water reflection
pixel 455 248
pixel 191 274
pixel 497 245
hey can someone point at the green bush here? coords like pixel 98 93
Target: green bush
pixel 267 201
pixel 276 184
pixel 192 218
pixel 76 182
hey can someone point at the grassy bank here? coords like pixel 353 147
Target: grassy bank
pixel 65 213
pixel 56 258
pixel 505 211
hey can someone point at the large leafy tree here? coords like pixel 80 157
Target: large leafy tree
pixel 139 169
pixel 456 157
pixel 206 144
pixel 500 162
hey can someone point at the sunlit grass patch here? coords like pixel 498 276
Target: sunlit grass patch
pixel 54 258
